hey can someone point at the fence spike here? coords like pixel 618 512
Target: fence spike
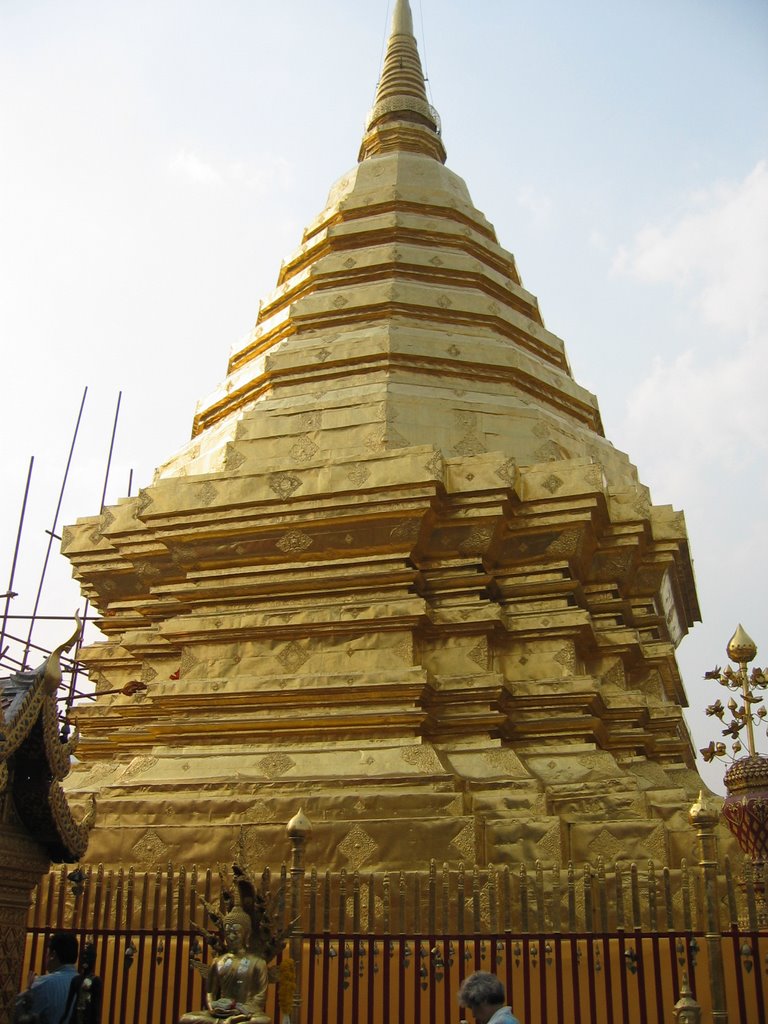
pixel 432 898
pixel 327 902
pixel 386 902
pixel 356 902
pixel 476 900
pixel 343 900
pixel 635 895
pixel 507 900
pixel 652 895
pixel 461 901
pixel 619 877
pixel 571 898
pixel 371 919
pixel 749 888
pixel 312 898
pixel 539 892
pixel 446 904
pixel 733 911
pixel 589 922
pixel 668 907
pixel 493 898
pixel 601 895
pixel 417 903
pixel 685 886
pixel 556 905
pixel 524 921
pixel 401 901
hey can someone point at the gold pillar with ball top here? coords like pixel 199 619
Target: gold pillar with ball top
pixel 704 817
pixel 298 830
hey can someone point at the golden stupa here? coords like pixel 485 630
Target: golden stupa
pixel 398 576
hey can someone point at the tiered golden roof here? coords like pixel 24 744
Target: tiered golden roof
pixel 398 569
pixel 34 760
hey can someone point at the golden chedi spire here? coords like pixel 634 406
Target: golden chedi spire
pixel 402 118
pixel 398 567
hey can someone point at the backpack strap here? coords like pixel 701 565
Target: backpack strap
pixel 74 989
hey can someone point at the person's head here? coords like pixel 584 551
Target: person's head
pixel 483 994
pixel 62 949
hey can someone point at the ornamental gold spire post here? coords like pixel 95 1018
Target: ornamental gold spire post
pixel 298 830
pixel 402 117
pixel 746 807
pixel 704 817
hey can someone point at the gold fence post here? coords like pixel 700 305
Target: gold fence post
pixel 704 817
pixel 299 828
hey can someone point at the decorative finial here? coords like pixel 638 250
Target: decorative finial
pixel 685 988
pixel 402 118
pixel 741 647
pixel 751 714
pixel 51 667
pixel 704 810
pixel 686 1009
pixel 299 826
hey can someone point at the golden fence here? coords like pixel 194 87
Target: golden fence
pixel 579 946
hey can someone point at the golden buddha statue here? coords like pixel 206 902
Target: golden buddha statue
pixel 237 979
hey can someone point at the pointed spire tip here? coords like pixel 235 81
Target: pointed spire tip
pixel 402 19
pixel 402 118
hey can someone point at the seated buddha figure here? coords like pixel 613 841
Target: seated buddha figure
pixel 237 980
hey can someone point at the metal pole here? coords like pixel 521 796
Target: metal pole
pixel 53 528
pixel 704 817
pixel 10 594
pixel 299 828
pixel 746 694
pixel 86 609
pixel 111 450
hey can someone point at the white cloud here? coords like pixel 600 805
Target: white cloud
pixel 536 203
pixel 598 240
pixel 697 424
pixel 689 414
pixel 270 174
pixel 717 255
pixel 718 251
pixel 699 419
pixel 192 168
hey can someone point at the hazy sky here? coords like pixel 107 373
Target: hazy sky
pixel 159 159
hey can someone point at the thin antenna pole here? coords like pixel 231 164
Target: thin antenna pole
pixel 424 47
pixel 86 609
pixel 111 450
pixel 10 594
pixel 53 528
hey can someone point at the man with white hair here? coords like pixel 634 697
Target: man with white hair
pixel 483 994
